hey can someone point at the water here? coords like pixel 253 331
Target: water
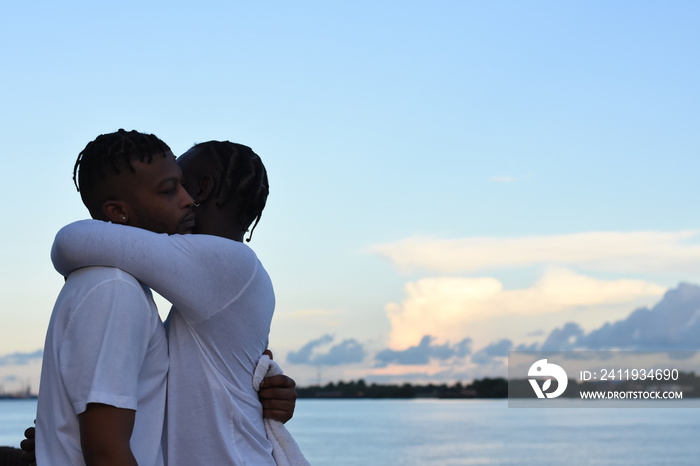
pixel 466 432
pixel 15 417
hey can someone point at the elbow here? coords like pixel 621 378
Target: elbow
pixel 108 454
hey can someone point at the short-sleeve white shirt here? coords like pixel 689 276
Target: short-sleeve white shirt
pixel 217 331
pixel 105 344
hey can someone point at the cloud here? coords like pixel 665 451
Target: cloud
pixel 487 354
pixel 526 347
pixel 651 251
pixel 303 356
pixel 451 306
pixel 21 359
pixel 20 370
pixel 672 324
pixel 423 352
pixel 509 178
pixel 502 179
pixel 346 352
pixel 563 339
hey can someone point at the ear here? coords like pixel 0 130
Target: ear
pixel 116 212
pixel 206 188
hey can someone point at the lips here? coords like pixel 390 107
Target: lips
pixel 188 222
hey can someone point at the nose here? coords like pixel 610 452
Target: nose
pixel 186 200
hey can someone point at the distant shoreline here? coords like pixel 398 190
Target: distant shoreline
pixel 6 396
pixel 478 389
pixel 488 388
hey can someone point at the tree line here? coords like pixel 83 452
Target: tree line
pixel 483 388
pixel 687 382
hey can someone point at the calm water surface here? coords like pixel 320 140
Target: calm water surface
pixel 467 432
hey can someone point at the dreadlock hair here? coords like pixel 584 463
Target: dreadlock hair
pixel 109 155
pixel 242 179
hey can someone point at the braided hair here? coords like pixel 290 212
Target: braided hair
pixel 109 155
pixel 242 179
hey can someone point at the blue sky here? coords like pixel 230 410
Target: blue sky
pixel 467 171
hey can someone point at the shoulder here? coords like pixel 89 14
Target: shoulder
pixel 110 283
pixel 209 245
pixel 99 296
pixel 95 276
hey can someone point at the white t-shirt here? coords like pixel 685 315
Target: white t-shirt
pixel 219 326
pixel 105 344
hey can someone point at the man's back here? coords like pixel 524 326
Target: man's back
pixel 105 344
pixel 214 349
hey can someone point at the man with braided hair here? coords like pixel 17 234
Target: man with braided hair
pixel 223 304
pixel 103 378
pixel 147 202
pixel 234 178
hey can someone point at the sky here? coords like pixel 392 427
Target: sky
pixel 450 180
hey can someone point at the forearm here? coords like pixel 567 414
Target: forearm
pixel 105 434
pixel 96 243
pixel 117 455
pixel 164 263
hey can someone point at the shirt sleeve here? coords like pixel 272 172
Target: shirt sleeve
pixel 105 346
pixel 198 274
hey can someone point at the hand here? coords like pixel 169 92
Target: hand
pixel 278 397
pixel 28 447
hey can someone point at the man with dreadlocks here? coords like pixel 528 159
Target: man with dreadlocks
pixel 223 304
pixel 103 378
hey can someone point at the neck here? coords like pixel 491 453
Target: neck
pixel 218 222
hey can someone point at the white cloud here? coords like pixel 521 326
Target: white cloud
pixel 509 178
pixel 502 179
pixel 454 307
pixel 648 251
pixel 16 378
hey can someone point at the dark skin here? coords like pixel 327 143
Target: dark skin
pixel 28 447
pixel 201 184
pixel 106 430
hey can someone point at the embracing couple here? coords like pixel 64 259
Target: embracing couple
pixel 117 386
